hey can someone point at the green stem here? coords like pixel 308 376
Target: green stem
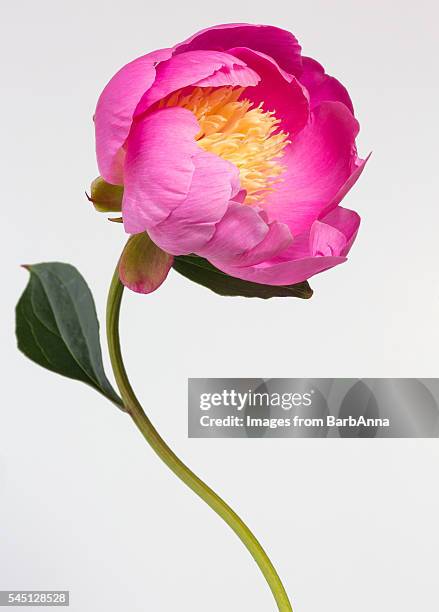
pixel 150 434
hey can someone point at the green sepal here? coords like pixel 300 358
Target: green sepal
pixel 143 265
pixel 106 197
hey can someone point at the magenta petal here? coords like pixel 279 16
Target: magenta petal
pixel 230 77
pixel 324 246
pixel 344 227
pixel 358 166
pixel 277 239
pixel 173 188
pixel 240 196
pixel 321 86
pixel 115 109
pixel 345 221
pixel 283 273
pixel 278 91
pixel 159 167
pixel 326 240
pixel 240 230
pixel 189 226
pixel 199 68
pixel 319 161
pixel 275 42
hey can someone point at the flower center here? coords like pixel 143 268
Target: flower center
pixel 239 132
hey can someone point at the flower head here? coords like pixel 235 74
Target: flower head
pixel 235 147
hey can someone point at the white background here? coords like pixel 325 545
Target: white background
pixel 351 525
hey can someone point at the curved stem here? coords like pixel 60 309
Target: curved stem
pixel 172 461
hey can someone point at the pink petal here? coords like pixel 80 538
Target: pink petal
pixel 319 161
pixel 343 220
pixel 283 273
pixel 189 226
pixel 359 165
pixel 230 77
pixel 279 44
pixel 326 240
pixel 346 221
pixel 159 167
pixel 322 247
pixel 299 249
pixel 240 196
pixel 321 86
pixel 199 68
pixel 173 188
pixel 278 91
pixel 240 230
pixel 115 110
pixel 276 240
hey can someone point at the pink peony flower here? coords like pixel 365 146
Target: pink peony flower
pixel 235 147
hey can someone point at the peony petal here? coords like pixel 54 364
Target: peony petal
pixel 324 246
pixel 346 221
pixel 143 266
pixel 192 224
pixel 319 162
pixel 342 219
pixel 321 86
pixel 230 77
pixel 199 68
pixel 159 167
pixel 279 44
pixel 299 249
pixel 283 273
pixel 239 197
pixel 278 91
pixel 359 165
pixel 115 109
pixel 325 240
pixel 276 240
pixel 173 188
pixel 240 230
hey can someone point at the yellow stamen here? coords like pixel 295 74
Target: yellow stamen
pixel 240 132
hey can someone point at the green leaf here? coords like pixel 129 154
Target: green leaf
pixel 57 326
pixel 204 273
pixel 106 197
